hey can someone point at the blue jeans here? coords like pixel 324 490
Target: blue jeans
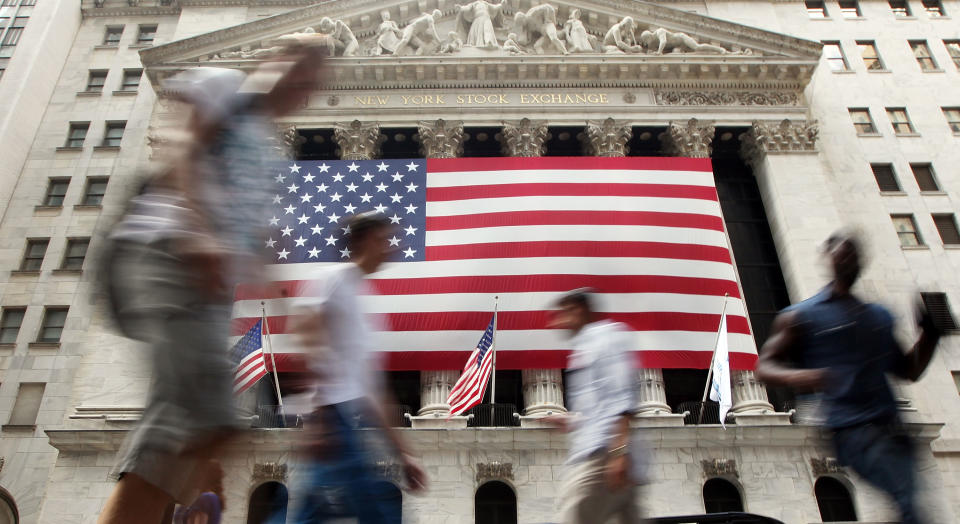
pixel 882 453
pixel 345 485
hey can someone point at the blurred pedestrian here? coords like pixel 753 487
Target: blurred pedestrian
pixel 209 503
pixel 176 255
pixel 604 462
pixel 835 344
pixel 339 476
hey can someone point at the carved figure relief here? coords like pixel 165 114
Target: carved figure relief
pixel 576 36
pixel 659 41
pixel 342 41
pixel 512 46
pixel 453 44
pixel 420 37
pixel 537 27
pixel 620 38
pixel 388 35
pixel 477 21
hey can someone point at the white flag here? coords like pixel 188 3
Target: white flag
pixel 720 387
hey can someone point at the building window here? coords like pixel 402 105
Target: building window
pixel 938 307
pixel 113 134
pixel 922 53
pixel 934 8
pixel 27 405
pixel 816 9
pixel 495 503
pixel 28 2
pixel 834 501
pixel 900 121
pixel 947 226
pixel 886 178
pixel 131 79
pixel 10 322
pixel 77 134
pixel 871 58
pixel 906 229
pixel 56 189
pixel 95 81
pixel 834 55
pixel 721 496
pixel 33 254
pixel 925 177
pixel 900 8
pixel 54 318
pixel 952 114
pixel 849 8
pixel 76 252
pixel 862 121
pixel 146 34
pixel 112 35
pixel 9 3
pixel 96 188
pixel 956 380
pixel 12 36
pixel 953 47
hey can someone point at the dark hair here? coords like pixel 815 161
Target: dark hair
pixel 839 237
pixel 578 297
pixel 363 224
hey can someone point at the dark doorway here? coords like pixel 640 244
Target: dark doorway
pixel 565 141
pixel 316 144
pixel 720 496
pixel 645 141
pixel 400 143
pixel 495 503
pixel 482 142
pixel 268 501
pixel 834 500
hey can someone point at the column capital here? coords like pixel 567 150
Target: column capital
pixel 358 140
pixel 525 138
pixel 607 137
pixel 786 136
pixel 688 139
pixel 440 138
pixel 290 140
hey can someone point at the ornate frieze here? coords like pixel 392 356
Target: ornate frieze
pixel 607 137
pixel 786 136
pixel 720 468
pixel 441 139
pixel 494 471
pixel 689 139
pixel 525 138
pixel 825 466
pixel 269 471
pixel 726 98
pixel 358 140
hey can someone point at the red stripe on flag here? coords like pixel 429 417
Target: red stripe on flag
pixel 579 249
pixel 437 165
pixel 575 218
pixel 441 194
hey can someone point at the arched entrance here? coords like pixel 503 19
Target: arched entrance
pixel 495 503
pixel 269 499
pixel 834 500
pixel 720 496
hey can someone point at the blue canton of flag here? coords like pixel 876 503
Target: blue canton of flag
pixel 247 356
pixel 313 201
pixel 485 342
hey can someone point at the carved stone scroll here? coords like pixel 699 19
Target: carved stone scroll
pixel 691 139
pixel 494 471
pixel 358 141
pixel 269 471
pixel 441 139
pixel 720 468
pixel 825 466
pixel 526 138
pixel 607 137
pixel 290 140
pixel 726 98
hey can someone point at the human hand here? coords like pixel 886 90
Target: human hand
pixel 414 474
pixel 925 320
pixel 616 473
pixel 560 421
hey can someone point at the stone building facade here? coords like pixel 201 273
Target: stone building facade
pixel 825 129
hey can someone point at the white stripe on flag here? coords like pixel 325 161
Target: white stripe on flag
pixel 568 176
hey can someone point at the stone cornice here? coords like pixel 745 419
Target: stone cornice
pixel 115 9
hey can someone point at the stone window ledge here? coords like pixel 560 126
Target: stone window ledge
pixel 7 427
pixel 825 19
pixel 938 17
pixel 106 148
pixel 893 193
pixel 881 71
pixel 70 148
pixel 139 46
pixel 855 19
pixel 908 135
pixel 25 272
pixel 106 46
pixel 951 246
pixel 47 208
pixel 82 207
pixel 44 345
pixel 89 93
pixel 904 18
pixel 62 271
pixel 915 248
pixel 125 92
pixel 870 135
pixel 933 71
pixel 8 345
pixel 844 72
pixel 933 193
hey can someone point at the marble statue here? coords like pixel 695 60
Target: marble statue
pixel 476 23
pixel 511 46
pixel 621 39
pixel 538 27
pixel 420 37
pixel 574 32
pixel 388 36
pixel 343 42
pixel 660 41
pixel 453 43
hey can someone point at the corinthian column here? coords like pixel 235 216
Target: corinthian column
pixel 358 141
pixel 525 138
pixel 607 137
pixel 542 391
pixel 690 139
pixel 290 141
pixel 441 139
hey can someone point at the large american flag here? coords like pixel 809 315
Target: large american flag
pixel 646 233
pixel 469 389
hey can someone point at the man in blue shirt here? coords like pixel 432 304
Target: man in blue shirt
pixel 842 349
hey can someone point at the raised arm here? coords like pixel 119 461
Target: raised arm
pixel 915 362
pixel 774 365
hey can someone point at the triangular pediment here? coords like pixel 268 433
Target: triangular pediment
pixel 517 52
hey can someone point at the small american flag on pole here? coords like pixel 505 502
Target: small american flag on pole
pixel 247 356
pixel 469 389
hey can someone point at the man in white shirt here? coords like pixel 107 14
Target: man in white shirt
pixel 603 464
pixel 339 476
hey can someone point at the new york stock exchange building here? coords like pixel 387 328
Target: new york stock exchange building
pixel 813 115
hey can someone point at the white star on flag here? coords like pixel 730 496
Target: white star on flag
pixel 324 168
pixel 394 219
pixel 277 199
pixel 306 198
pixel 303 219
pixel 322 188
pixel 394 241
pixel 280 178
pixel 381 166
pixel 319 207
pixel 353 167
pixel 351 187
pixel 286 231
pixel 349 208
pixel 395 198
pixel 380 208
pixel 364 198
pixel 282 254
pixel 270 242
pixel 338 178
pixel 335 197
pixel 331 240
pixel 316 229
pixel 308 178
pixel 292 188
pixel 412 187
pixel 397 177
pixel 334 218
pixel 289 210
pixel 346 230
pixel 294 168
pixel 314 253
pixel 409 252
pixel 410 230
pixel 300 241
pixel 381 188
pixel 274 221
pixel 411 209
pixel 411 166
pixel 367 177
pixel 344 253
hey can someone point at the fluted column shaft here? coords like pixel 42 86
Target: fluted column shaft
pixel 542 391
pixel 435 387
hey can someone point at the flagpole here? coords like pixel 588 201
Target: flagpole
pixel 273 361
pixel 713 355
pixel 493 347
